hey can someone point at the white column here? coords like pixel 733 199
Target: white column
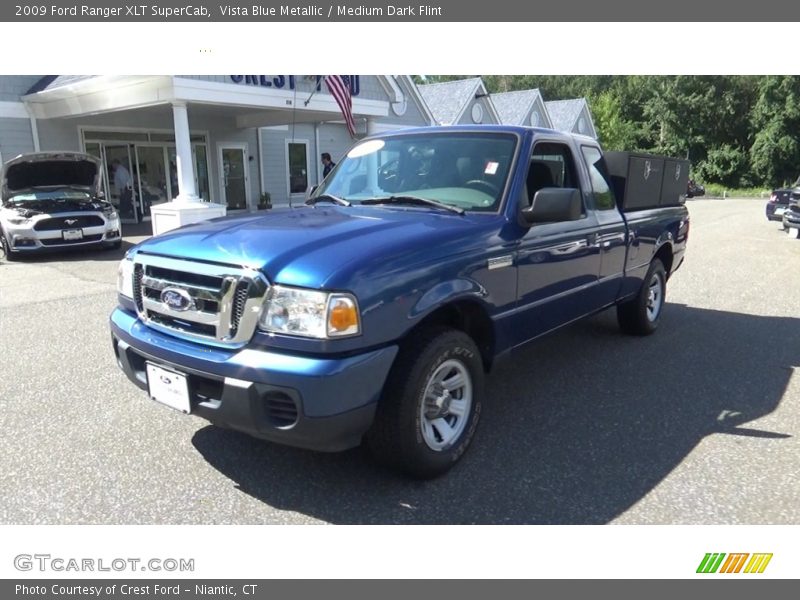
pixel 183 151
pixel 187 207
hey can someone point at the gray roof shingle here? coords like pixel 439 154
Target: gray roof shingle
pixel 514 106
pixel 565 113
pixel 446 100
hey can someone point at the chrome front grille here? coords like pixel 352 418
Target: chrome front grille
pixel 216 303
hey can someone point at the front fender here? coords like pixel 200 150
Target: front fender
pixel 446 292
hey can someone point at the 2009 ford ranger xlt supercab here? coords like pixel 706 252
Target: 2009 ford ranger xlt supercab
pixel 373 311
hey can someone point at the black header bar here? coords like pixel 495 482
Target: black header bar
pixel 299 11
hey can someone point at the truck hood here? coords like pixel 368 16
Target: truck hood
pixel 51 170
pixel 309 247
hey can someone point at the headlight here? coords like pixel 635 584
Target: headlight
pixel 19 221
pixel 111 215
pixel 125 278
pixel 310 313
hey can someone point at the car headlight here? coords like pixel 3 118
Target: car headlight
pixel 19 220
pixel 111 215
pixel 125 278
pixel 310 313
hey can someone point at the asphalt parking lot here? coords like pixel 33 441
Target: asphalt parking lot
pixel 699 423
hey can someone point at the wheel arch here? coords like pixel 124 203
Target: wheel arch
pixel 665 254
pixel 468 315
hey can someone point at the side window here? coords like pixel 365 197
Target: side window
pixel 603 198
pixel 551 165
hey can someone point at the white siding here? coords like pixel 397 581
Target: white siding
pixel 14 86
pixel 15 137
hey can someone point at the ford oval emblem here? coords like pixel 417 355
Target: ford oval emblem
pixel 177 299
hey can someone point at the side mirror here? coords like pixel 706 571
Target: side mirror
pixel 551 205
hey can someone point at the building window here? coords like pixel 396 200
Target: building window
pixel 298 167
pixel 477 113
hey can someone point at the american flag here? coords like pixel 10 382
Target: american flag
pixel 341 92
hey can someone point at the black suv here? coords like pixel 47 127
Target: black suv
pixel 694 189
pixel 779 200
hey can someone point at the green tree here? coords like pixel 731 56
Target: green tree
pixel 736 130
pixel 726 165
pixel 775 153
pixel 614 131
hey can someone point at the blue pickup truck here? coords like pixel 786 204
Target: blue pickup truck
pixel 373 312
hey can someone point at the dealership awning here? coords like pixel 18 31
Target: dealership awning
pixel 251 106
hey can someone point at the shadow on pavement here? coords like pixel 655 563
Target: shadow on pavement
pixel 577 427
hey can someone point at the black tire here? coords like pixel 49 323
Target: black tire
pixel 402 425
pixel 639 316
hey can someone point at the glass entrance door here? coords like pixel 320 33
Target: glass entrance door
pixel 120 178
pixel 152 184
pixel 233 167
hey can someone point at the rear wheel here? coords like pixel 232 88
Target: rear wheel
pixel 641 315
pixel 431 403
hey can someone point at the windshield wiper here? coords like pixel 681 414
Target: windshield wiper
pixel 328 198
pixel 413 200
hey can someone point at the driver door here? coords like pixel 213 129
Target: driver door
pixel 558 263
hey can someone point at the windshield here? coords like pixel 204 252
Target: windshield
pixel 43 195
pixel 464 170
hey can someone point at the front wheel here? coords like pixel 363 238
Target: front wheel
pixel 641 315
pixel 431 403
pixel 5 249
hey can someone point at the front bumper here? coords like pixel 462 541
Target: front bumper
pixel 25 238
pixel 324 404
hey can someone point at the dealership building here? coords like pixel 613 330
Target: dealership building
pixel 232 141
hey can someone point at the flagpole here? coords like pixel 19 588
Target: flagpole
pixel 309 98
pixel 317 88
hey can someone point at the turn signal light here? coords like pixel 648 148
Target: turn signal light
pixel 342 316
